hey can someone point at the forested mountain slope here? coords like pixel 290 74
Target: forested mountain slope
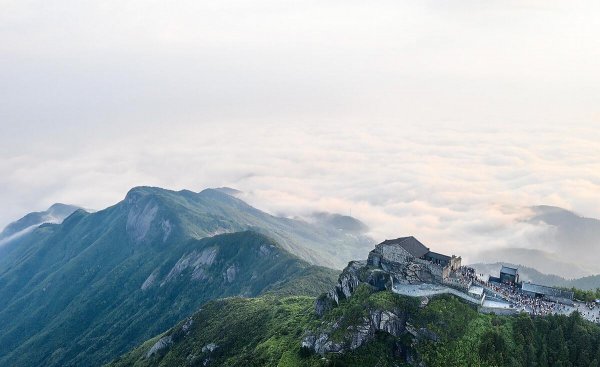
pixel 84 291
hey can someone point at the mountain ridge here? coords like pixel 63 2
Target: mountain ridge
pixel 80 291
pixel 56 213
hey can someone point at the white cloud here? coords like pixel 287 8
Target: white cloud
pixel 468 194
pixel 440 120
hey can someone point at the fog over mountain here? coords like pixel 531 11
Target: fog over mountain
pixel 55 215
pixel 240 154
pixel 88 289
pixel 447 121
pixel 568 246
pixel 528 274
pixel 460 192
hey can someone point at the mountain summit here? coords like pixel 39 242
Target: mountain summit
pixel 88 289
pixel 55 214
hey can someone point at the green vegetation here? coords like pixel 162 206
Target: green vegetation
pixel 247 332
pixel 351 311
pixel 519 341
pixel 96 286
pixel 262 331
pixel 586 295
pixel 71 294
pixel 268 331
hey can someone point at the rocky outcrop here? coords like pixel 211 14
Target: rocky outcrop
pixel 206 355
pixel 378 273
pixel 166 227
pixel 187 325
pixel 323 304
pixel 139 220
pixel 144 223
pixel 211 347
pixel 198 261
pixel 160 346
pixel 321 344
pixel 149 282
pixel 231 273
pixel 354 274
pixel 266 250
pixel 164 343
pixel 422 333
pixel 391 322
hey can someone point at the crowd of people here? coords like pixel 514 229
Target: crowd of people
pixel 510 292
pixel 463 278
pixel 468 273
pixel 466 276
pixel 590 311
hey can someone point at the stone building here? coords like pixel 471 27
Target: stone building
pixel 550 293
pixel 509 275
pixel 412 261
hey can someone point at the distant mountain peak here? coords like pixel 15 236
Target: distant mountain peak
pixel 56 213
pixel 139 191
pixel 229 191
pixel 340 221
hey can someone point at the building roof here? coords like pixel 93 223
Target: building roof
pixel 547 291
pixel 410 244
pixel 438 256
pixel 508 270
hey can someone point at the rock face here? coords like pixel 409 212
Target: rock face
pixel 139 220
pixel 321 344
pixel 161 345
pixel 385 266
pixel 211 347
pixel 166 228
pixel 198 261
pixel 391 322
pixel 164 343
pixel 266 250
pixel 407 268
pixel 231 273
pixel 353 275
pixel 145 222
pixel 149 282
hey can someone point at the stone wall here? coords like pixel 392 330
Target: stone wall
pixel 455 262
pixel 403 266
pixel 391 253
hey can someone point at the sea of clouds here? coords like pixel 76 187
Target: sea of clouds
pixel 442 120
pixel 459 191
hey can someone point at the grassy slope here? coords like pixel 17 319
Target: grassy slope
pixel 267 332
pixel 112 314
pixel 70 294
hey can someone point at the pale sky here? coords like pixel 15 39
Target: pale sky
pixel 442 119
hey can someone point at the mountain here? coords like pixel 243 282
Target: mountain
pixel 369 328
pixel 55 214
pixel 84 315
pixel 567 244
pixel 229 191
pixel 86 290
pixel 573 234
pixel 543 261
pixel 361 322
pixel 341 222
pixel 591 282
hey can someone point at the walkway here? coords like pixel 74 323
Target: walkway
pixel 428 290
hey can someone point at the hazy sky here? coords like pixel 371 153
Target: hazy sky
pixel 442 119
